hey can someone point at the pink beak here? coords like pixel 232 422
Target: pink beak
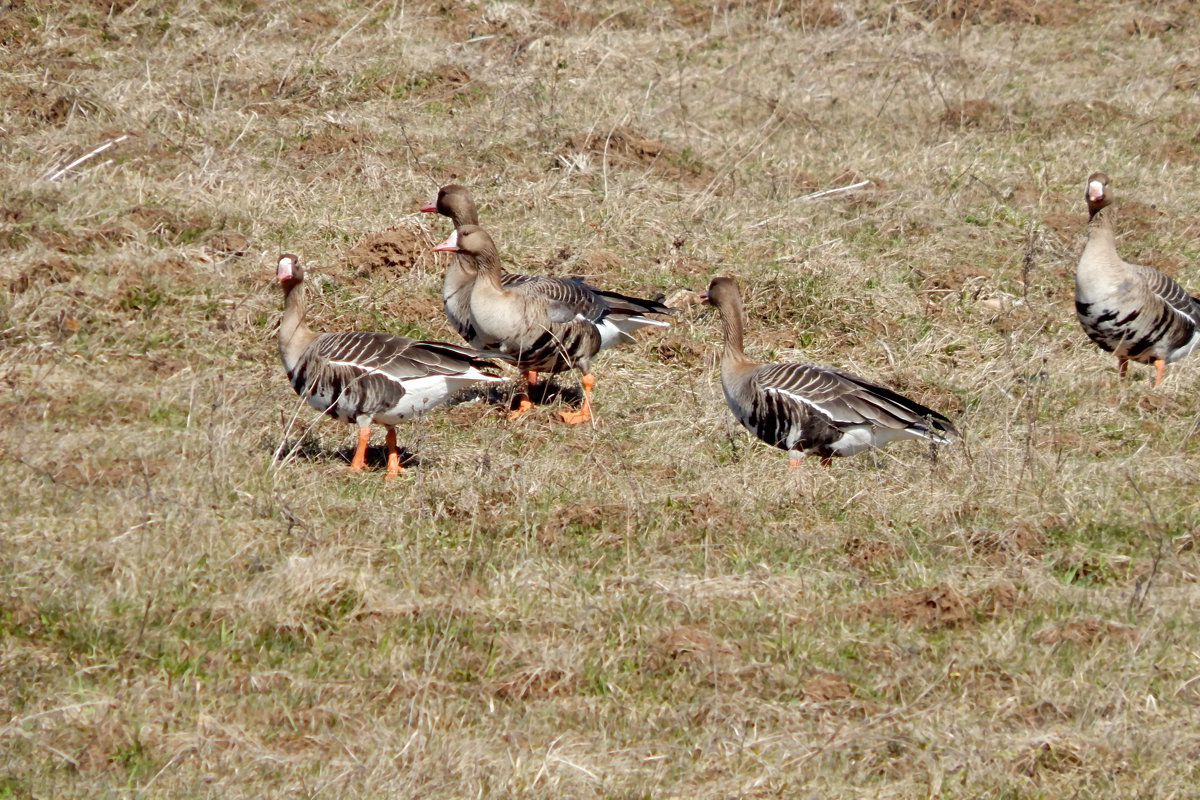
pixel 448 246
pixel 429 206
pixel 284 271
pixel 1095 191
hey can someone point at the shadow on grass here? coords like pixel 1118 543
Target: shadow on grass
pixel 503 395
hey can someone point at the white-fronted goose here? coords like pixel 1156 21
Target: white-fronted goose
pixel 1135 312
pixel 616 315
pixel 364 377
pixel 542 334
pixel 811 408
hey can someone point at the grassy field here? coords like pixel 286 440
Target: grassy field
pixel 197 599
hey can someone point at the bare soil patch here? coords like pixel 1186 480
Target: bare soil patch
pixel 393 251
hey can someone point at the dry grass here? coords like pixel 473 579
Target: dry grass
pixel 652 606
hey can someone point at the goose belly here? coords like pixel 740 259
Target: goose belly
pixel 323 399
pixel 422 394
pixel 856 439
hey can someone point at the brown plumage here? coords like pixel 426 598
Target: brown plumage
pixel 1135 312
pixel 543 334
pixel 811 408
pixel 364 377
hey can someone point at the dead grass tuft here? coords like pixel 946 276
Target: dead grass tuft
pixel 871 554
pixel 624 147
pixel 940 606
pixel 825 687
pixel 981 12
pixel 1086 631
pixel 973 114
pixel 536 682
pixel 305 595
pixel 1053 752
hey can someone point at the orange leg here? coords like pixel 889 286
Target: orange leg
pixel 793 463
pixel 1122 363
pixel 360 453
pixel 585 411
pixel 524 404
pixel 393 453
pixel 1159 366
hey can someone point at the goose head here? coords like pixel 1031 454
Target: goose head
pixel 722 292
pixel 289 273
pixel 470 240
pixel 1097 193
pixel 454 201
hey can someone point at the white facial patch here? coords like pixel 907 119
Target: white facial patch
pixel 1095 191
pixel 286 264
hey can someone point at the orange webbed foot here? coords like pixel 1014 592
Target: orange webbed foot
pixel 585 411
pixel 524 405
pixel 576 417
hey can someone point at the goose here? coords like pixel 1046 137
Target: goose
pixel 541 333
pixel 812 409
pixel 365 377
pixel 616 315
pixel 1135 312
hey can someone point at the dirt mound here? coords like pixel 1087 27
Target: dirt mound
pixel 395 250
pixel 939 606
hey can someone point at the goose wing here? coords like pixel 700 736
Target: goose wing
pixel 847 400
pixel 384 359
pixel 624 304
pixel 1171 293
pixel 567 292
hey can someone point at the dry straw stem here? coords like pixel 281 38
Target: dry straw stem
pixel 653 605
